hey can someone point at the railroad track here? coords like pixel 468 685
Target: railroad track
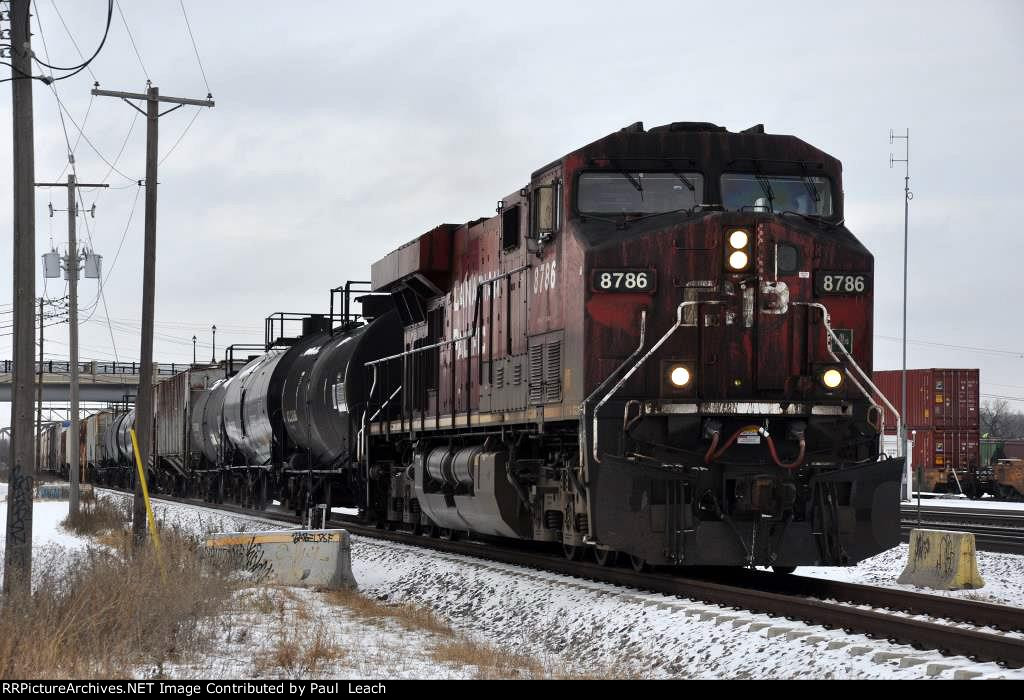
pixel 994 530
pixel 888 613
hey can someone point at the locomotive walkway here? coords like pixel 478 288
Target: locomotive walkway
pixel 99 381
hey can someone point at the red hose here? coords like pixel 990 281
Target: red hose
pixel 712 454
pixel 775 455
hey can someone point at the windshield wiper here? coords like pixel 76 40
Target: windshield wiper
pixel 766 187
pixel 812 189
pixel 685 181
pixel 634 181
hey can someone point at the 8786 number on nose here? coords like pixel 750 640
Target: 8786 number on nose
pixel 623 280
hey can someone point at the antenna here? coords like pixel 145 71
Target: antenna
pixel 907 196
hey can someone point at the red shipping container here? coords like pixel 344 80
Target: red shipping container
pixel 939 399
pixel 940 452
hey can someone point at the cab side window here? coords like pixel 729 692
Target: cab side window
pixel 510 227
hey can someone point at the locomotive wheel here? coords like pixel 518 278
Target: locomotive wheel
pixel 572 552
pixel 639 564
pixel 449 534
pixel 433 531
pixel 783 570
pixel 605 557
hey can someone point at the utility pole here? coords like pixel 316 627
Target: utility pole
pixel 907 196
pixel 39 396
pixel 213 360
pixel 18 549
pixel 144 401
pixel 72 273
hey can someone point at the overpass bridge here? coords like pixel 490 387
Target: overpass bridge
pixel 98 381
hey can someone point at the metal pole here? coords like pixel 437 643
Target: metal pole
pixel 213 360
pixel 144 401
pixel 39 396
pixel 72 269
pixel 193 350
pixel 907 196
pixel 18 549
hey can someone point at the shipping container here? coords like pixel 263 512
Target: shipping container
pixel 949 459
pixel 939 399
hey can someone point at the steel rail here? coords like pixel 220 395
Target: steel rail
pixel 753 593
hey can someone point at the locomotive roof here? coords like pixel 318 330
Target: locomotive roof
pixel 707 145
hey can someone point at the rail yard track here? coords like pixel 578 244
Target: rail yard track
pixel 877 612
pixel 994 530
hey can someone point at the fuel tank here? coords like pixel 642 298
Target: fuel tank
pixel 323 394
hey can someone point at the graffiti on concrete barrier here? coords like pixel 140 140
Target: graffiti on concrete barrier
pixel 310 536
pixel 922 547
pixel 247 557
pixel 945 563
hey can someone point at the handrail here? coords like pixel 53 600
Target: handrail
pixel 446 343
pixel 654 348
pixel 826 319
pixel 603 384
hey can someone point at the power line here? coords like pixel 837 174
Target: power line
pixel 991 351
pixel 131 38
pixel 85 64
pixel 194 48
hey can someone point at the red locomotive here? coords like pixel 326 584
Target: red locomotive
pixel 660 347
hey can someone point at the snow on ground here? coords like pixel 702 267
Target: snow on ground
pixel 46 530
pixel 581 627
pixel 624 631
pixel 1003 575
pixel 283 633
pixel 962 502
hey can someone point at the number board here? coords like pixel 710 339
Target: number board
pixel 841 283
pixel 624 279
pixel 845 336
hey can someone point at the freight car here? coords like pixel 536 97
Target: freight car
pixel 659 347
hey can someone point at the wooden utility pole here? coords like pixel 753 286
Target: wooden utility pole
pixel 39 397
pixel 72 271
pixel 144 400
pixel 18 549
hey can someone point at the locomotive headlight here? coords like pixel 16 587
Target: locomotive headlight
pixel 832 378
pixel 679 376
pixel 738 260
pixel 739 239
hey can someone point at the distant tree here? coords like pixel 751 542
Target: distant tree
pixel 997 420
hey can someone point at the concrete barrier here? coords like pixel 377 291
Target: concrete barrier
pixel 943 560
pixel 316 558
pixel 53 492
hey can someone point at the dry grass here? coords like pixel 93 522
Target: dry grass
pixel 299 646
pixel 99 516
pixel 447 647
pixel 101 612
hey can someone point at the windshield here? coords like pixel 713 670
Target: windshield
pixel 777 193
pixel 629 192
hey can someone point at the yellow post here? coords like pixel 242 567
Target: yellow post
pixel 149 508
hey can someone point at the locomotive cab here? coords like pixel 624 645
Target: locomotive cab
pixel 740 430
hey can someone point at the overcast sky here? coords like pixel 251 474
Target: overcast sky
pixel 343 130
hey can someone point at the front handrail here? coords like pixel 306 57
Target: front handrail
pixel 603 384
pixel 640 363
pixel 826 319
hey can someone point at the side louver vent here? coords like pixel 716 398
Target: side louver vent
pixel 537 373
pixel 553 371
